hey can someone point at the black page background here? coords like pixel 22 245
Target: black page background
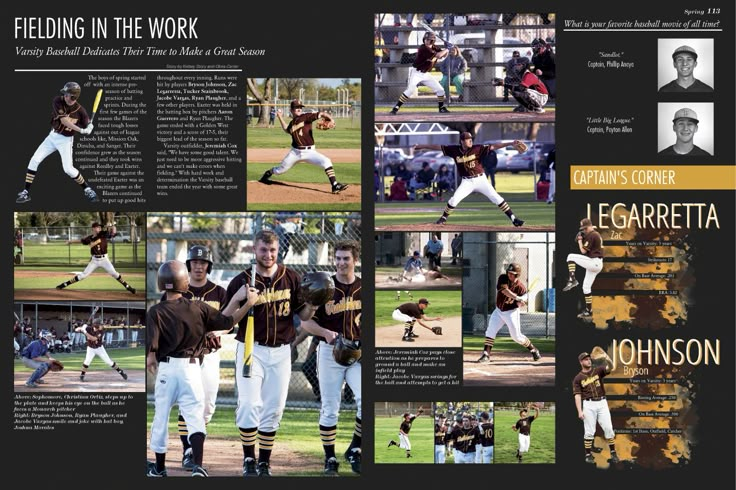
pixel 319 40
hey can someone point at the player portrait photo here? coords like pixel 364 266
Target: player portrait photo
pixel 509 300
pixel 274 340
pixel 303 139
pixel 403 432
pixel 685 129
pixel 685 66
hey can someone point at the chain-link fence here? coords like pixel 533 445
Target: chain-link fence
pixel 307 243
pixel 485 258
pixel 485 45
pixel 396 409
pixel 62 245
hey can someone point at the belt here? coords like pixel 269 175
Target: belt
pixel 273 346
pixel 475 176
pixel 100 256
pixel 596 399
pixel 192 360
pixel 303 147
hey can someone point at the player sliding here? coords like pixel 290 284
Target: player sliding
pixel 467 158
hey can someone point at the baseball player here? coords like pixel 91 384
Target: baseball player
pixel 97 243
pixel 685 59
pixel 175 334
pixel 262 397
pixel 36 356
pixel 302 146
pixel 464 439
pixel 410 313
pixel 413 269
pixel 478 446
pixel 528 90
pixel 487 436
pixel 340 316
pixel 199 264
pixel 543 61
pixel 685 125
pixel 440 435
pixel 511 293
pixel 467 158
pixel 427 56
pixel 67 117
pixel 524 427
pixel 590 400
pixel 93 333
pixel 590 258
pixel 404 429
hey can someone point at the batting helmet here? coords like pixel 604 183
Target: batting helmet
pixel 430 36
pixel 346 352
pixel 513 268
pixel 199 252
pixel 73 89
pixel 316 288
pixel 173 276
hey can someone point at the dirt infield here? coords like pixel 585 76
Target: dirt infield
pixel 508 369
pixel 382 116
pixel 452 227
pixel 295 193
pixel 106 381
pixel 275 155
pixel 386 281
pixel 451 335
pixel 79 294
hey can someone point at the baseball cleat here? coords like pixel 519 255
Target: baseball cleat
pixel 596 449
pixel 124 375
pixel 538 110
pixel 392 443
pixel 151 470
pixel 249 467
pixel 520 108
pixel 444 110
pixel 266 178
pixel 264 468
pixel 413 335
pixel 23 196
pixel 614 458
pixel 338 188
pixel 131 290
pixel 406 338
pixel 331 466
pixel 91 195
pixel 589 459
pixel 81 377
pixel 40 382
pixel 199 471
pixel 536 355
pixel 586 315
pixel 31 385
pixel 353 456
pixel 394 111
pixel 441 221
pixel 518 222
pixel 60 286
pixel 571 283
pixel 484 359
pixel 187 461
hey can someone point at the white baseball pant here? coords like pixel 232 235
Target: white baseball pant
pixel 404 442
pixel 510 318
pixel 55 142
pixel 478 453
pixel 477 184
pixel 552 185
pixel 486 454
pixel 592 267
pixel 537 99
pixel 262 397
pixel 178 382
pixel 417 78
pixel 524 442
pixel 210 383
pixel 439 453
pixel 401 317
pixel 295 156
pixel 597 411
pixel 464 458
pixel 96 262
pixel 99 352
pixel 331 376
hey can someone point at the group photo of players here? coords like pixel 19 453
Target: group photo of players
pixel 254 334
pixel 79 256
pixel 464 432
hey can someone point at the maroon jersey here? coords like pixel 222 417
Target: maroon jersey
pixel 342 313
pixel 486 434
pixel 60 110
pixel 300 129
pixel 98 243
pixel 426 58
pixel 530 80
pixel 440 432
pixel 467 161
pixel 593 245
pixel 177 328
pixel 274 311
pixel 524 425
pixel 97 332
pixel 503 302
pixel 411 309
pixel 464 440
pixel 406 426
pixel 590 384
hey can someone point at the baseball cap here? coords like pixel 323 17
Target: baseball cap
pixel 585 222
pixel 416 253
pixel 685 49
pixel 583 355
pixel 465 135
pixel 296 103
pixel 686 113
pixel 423 300
pixel 95 225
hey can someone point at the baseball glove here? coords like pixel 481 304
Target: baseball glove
pixel 55 365
pixel 599 357
pixel 579 235
pixel 520 146
pixel 316 288
pixel 212 343
pixel 325 124
pixel 437 330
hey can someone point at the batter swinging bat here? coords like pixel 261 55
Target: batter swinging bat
pixel 98 98
pixel 249 339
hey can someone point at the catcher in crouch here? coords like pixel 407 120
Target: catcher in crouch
pixel 528 90
pixel 303 148
pixel 468 158
pixel 36 356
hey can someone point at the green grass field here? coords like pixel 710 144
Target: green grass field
pixel 421 437
pixel 98 281
pixel 347 173
pixel 506 344
pixel 456 107
pixel 125 358
pixel 442 303
pixel 343 136
pixel 542 448
pixel 62 253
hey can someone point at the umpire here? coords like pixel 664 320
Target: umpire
pixel 175 331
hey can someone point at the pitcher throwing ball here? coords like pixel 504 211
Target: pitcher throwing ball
pixel 590 258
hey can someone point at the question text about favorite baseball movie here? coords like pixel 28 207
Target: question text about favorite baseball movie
pixel 49 411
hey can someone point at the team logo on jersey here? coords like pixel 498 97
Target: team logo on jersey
pixel 345 304
pixel 270 295
pixel 297 127
pixel 591 379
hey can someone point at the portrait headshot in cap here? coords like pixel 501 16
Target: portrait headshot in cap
pixel 686 121
pixel 685 55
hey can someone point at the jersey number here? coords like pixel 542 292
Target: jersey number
pixel 283 309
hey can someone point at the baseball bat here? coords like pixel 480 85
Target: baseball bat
pixel 17 317
pixel 96 105
pixel 534 283
pixel 426 27
pixel 249 337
